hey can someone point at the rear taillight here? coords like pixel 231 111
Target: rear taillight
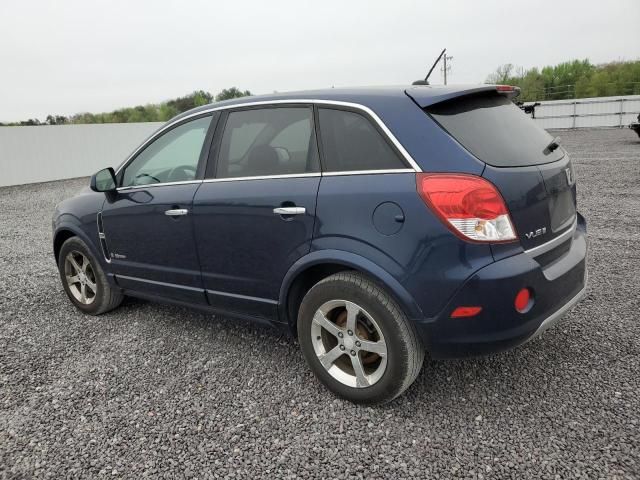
pixel 470 206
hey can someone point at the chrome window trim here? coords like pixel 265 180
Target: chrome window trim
pixel 164 184
pixel 269 177
pixel 262 177
pixel 551 244
pixel 369 172
pixel 293 101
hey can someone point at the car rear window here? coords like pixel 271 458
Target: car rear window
pixel 495 130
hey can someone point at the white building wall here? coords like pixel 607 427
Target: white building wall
pixel 54 152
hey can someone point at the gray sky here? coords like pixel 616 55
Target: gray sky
pixel 65 57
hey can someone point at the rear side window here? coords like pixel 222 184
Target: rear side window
pixel 495 130
pixel 351 142
pixel 268 141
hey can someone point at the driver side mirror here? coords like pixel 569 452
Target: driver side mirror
pixel 104 180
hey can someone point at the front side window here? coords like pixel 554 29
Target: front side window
pixel 351 142
pixel 173 157
pixel 268 141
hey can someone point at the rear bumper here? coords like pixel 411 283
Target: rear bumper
pixel 556 289
pixel 556 316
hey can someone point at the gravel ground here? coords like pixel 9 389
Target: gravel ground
pixel 151 390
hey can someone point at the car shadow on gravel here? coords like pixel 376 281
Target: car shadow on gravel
pixel 513 373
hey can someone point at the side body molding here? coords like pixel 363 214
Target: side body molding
pixel 356 262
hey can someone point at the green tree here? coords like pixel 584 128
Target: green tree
pixel 574 79
pixel 30 122
pixel 56 120
pixel 166 111
pixel 233 92
pixel 501 75
pixel 195 99
pixel 142 113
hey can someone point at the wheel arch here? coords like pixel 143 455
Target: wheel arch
pixel 61 236
pixel 65 232
pixel 318 265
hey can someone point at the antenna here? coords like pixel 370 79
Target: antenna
pixel 426 79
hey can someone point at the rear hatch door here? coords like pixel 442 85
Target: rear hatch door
pixel 532 172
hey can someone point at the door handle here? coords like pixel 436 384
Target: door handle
pixel 290 210
pixel 176 212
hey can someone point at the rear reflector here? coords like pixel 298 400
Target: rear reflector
pixel 469 205
pixel 523 300
pixel 461 312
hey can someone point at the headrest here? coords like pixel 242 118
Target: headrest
pixel 263 160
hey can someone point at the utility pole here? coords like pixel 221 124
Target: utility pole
pixel 445 67
pixel 426 79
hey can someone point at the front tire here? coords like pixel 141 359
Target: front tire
pixel 84 280
pixel 356 339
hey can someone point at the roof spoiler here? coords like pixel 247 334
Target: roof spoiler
pixel 425 95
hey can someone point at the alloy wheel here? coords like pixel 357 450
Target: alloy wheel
pixel 349 343
pixel 80 277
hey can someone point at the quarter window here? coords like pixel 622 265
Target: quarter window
pixel 351 142
pixel 268 141
pixel 173 157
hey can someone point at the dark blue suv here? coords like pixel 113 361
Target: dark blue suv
pixel 375 223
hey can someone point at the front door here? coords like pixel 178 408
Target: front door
pixel 148 223
pixel 255 216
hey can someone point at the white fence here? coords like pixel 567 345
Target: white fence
pixel 43 153
pixel 588 112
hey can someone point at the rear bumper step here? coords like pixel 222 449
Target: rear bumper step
pixel 555 318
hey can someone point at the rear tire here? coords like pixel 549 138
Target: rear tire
pixel 84 280
pixel 356 339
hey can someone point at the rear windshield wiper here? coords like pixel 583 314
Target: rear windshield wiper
pixel 555 143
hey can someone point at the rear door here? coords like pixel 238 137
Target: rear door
pixel 533 174
pixel 254 214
